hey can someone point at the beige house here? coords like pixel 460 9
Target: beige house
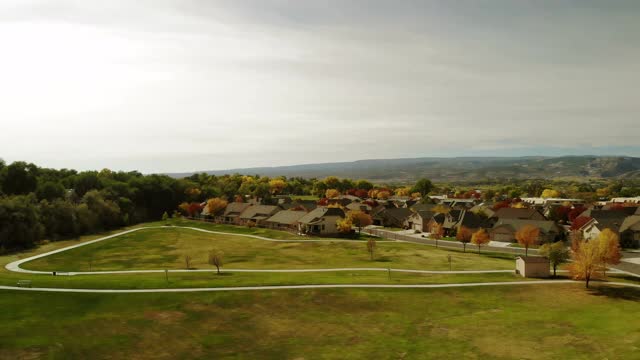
pixel 321 221
pixel 532 266
pixel 505 230
pixel 285 220
pixel 257 214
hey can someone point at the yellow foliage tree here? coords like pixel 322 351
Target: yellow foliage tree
pixel 344 225
pixel 594 255
pixel 550 193
pixel 383 195
pixel 403 191
pixel 277 185
pixel 527 236
pixel 441 209
pixel 216 204
pixel 519 205
pixel 332 193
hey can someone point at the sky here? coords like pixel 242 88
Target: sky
pixel 184 85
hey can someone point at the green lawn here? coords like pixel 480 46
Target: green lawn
pixel 525 322
pixel 165 248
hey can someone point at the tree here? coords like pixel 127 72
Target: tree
pixel 216 204
pixel 441 209
pixel 215 259
pixel 20 226
pixel 527 236
pixel 344 225
pixel 20 178
pixel 557 253
pixel 586 260
pixel 187 261
pixel 480 238
pixel 371 246
pixel 277 186
pixel 360 219
pixel 436 231
pixel 423 186
pixel 609 248
pixel 332 193
pixel 165 217
pixel 464 236
pixel 364 185
pixel 550 193
pixel 50 191
pixel 403 191
pixel 383 194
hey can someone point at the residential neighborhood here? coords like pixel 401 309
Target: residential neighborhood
pixel 501 220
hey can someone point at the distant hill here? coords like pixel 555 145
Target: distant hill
pixel 457 169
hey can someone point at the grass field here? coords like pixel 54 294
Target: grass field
pixel 525 322
pixel 165 248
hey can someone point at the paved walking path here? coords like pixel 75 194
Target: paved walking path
pixel 15 266
pixel 294 287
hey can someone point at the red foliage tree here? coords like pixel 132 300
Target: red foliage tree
pixel 361 193
pixel 194 209
pixel 323 202
pixel 501 205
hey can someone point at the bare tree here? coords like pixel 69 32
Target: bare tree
pixel 187 261
pixel 215 259
pixel 371 246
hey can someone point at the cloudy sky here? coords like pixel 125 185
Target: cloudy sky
pixel 182 85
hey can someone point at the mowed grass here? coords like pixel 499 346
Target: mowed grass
pixel 561 321
pixel 166 248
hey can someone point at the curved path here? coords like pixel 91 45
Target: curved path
pixel 294 287
pixel 15 266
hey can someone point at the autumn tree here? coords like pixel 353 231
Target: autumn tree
pixel 383 194
pixel 371 246
pixel 585 261
pixel 360 219
pixel 216 204
pixel 215 259
pixel 609 249
pixel 480 238
pixel 403 191
pixel 436 231
pixel 464 236
pixel 557 253
pixel 332 193
pixel 550 193
pixel 344 225
pixel 277 186
pixel 527 236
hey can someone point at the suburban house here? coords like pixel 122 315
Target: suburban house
pixel 393 217
pixel 456 219
pixel 359 206
pixel 321 221
pixel 522 214
pixel 485 209
pixel 505 230
pixel 630 231
pixel 600 220
pixel 532 266
pixel 419 220
pixel 231 214
pixel 285 220
pixel 546 202
pixel 306 205
pixel 257 214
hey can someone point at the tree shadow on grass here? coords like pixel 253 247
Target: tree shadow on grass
pixel 616 292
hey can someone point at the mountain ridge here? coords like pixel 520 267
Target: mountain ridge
pixel 454 168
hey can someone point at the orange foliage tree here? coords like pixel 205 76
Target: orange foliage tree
pixel 360 219
pixel 527 236
pixel 216 204
pixel 332 193
pixel 464 236
pixel 480 238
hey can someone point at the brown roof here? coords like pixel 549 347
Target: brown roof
pixel 515 213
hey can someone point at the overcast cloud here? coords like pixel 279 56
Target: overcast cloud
pixel 196 85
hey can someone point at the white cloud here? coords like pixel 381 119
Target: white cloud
pixel 171 86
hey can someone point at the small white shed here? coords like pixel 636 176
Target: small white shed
pixel 532 266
